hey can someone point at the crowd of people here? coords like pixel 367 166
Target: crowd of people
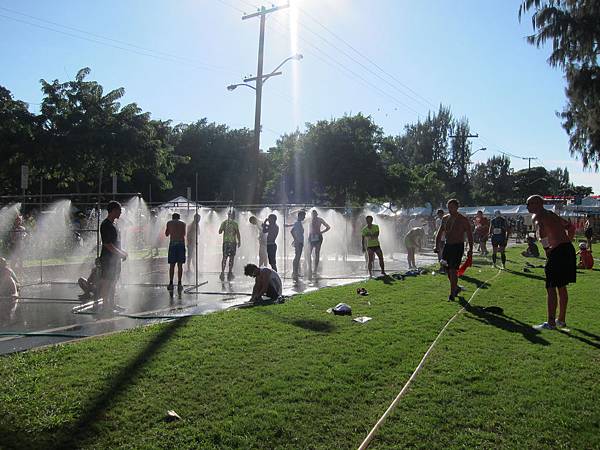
pixel 448 231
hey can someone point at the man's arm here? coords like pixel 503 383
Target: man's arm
pixel 326 225
pixel 569 228
pixel 168 229
pixel 260 286
pixel 221 228
pixel 239 238
pixel 116 250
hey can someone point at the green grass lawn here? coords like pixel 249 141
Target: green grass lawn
pixel 293 376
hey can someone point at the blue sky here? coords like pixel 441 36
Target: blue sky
pixel 391 59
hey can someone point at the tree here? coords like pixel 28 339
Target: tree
pixel 492 181
pixel 17 130
pixel 460 160
pixel 573 27
pixel 85 133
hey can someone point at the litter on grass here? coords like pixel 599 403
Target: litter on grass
pixel 341 309
pixel 172 416
pixel 362 291
pixel 361 319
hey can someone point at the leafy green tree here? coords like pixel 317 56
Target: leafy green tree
pixel 573 27
pixel 492 181
pixel 218 155
pixel 86 133
pixel 459 161
pixel 17 135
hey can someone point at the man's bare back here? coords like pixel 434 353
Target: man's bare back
pixel 176 230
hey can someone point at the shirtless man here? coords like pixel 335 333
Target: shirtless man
pixel 261 230
pixel 267 282
pixel 176 231
pixel 454 226
pixel 272 233
pixel 192 233
pixel 555 235
pixel 413 241
pixel 315 239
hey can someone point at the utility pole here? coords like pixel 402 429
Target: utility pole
pixel 262 13
pixel 529 160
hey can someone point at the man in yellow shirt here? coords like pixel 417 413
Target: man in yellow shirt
pixel 370 241
pixel 231 242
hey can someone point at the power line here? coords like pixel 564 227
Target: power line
pixel 132 48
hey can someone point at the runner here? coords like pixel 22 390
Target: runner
pixel 561 266
pixel 413 241
pixel 315 239
pixel 454 227
pixel 272 233
pixel 370 236
pixel 267 282
pixel 261 229
pixel 176 232
pixel 482 228
pixel 298 243
pixel 110 256
pixel 499 232
pixel 231 241
pixel 193 230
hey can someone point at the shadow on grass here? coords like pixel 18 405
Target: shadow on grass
pixel 76 434
pixel 476 281
pixel 526 275
pixel 504 322
pixel 581 338
pixel 318 326
pixel 588 334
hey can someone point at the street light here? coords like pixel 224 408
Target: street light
pixel 482 149
pixel 232 87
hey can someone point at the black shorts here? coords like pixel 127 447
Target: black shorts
pixel 561 266
pixel 589 233
pixel 498 240
pixel 453 254
pixel 375 249
pixel 110 267
pixel 315 242
pixel 229 249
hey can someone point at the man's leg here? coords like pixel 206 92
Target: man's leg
pixel 503 256
pixel 453 277
pixel 317 256
pixel 272 254
pixel 297 256
pixel 309 259
pixel 179 273
pixel 223 262
pixel 563 297
pixel 370 263
pixel 380 257
pixel 231 261
pixel 552 303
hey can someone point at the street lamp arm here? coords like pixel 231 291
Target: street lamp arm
pixel 231 87
pixel 296 57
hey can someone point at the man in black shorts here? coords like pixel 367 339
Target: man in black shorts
pixel 499 233
pixel 454 226
pixel 556 235
pixel 110 256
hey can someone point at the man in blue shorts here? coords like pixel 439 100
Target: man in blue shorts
pixel 176 231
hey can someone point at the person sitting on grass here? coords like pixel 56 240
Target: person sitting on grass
pixel 586 260
pixel 532 248
pixel 267 282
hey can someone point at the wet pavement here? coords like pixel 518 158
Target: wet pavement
pixel 51 312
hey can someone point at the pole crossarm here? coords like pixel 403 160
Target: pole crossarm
pixel 263 11
pixel 264 77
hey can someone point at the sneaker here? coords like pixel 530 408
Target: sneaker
pixel 222 276
pixel 170 287
pixel 544 326
pixel 451 298
pixel 230 276
pixel 560 324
